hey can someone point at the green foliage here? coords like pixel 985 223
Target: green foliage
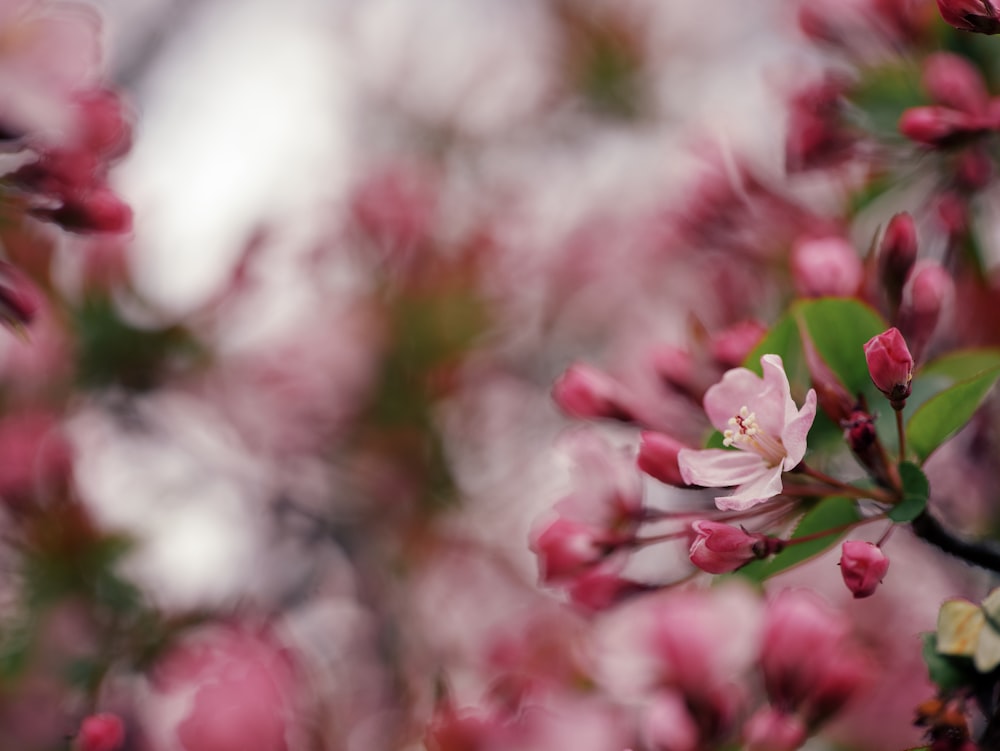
pixel 839 328
pixel 884 93
pixel 113 352
pixel 943 414
pixel 828 515
pixel 948 673
pixel 916 491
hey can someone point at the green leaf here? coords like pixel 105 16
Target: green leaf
pixel 944 414
pixel 949 673
pixel 962 364
pixel 828 514
pixel 916 491
pixel 839 328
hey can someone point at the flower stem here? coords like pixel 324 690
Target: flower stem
pixel 833 530
pixel 902 435
pixel 853 491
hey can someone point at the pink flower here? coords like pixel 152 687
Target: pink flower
pixel 772 730
pixel 890 365
pixel 758 417
pixel 720 548
pixel 586 393
pixel 981 16
pixel 658 457
pixel 862 564
pixel 100 732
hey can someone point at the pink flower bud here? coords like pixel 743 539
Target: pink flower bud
pixel 930 287
pixel 100 732
pixel 939 126
pixel 890 366
pixel 103 125
pixel 96 210
pixel 770 729
pixel 19 300
pixel 952 80
pixel 585 392
pixel 658 457
pixel 720 548
pixel 981 16
pixel 564 548
pixel 897 255
pixel 731 346
pixel 826 266
pixel 862 564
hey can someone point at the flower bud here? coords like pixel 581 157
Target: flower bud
pixel 939 126
pixel 826 266
pixel 981 16
pixel 658 457
pixel 897 255
pixel 831 395
pixel 731 346
pixel 720 548
pixel 585 392
pixel 863 565
pixel 890 366
pixel 770 729
pixel 96 210
pixel 100 732
pixel 930 287
pixel 564 548
pixel 952 80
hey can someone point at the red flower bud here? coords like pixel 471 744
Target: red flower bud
pixel 658 457
pixel 939 126
pixel 770 729
pixel 897 255
pixel 826 266
pixel 720 548
pixel 100 732
pixel 890 366
pixel 585 392
pixel 565 548
pixel 952 80
pixel 981 16
pixel 930 287
pixel 863 565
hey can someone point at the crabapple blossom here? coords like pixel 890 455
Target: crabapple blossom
pixel 770 729
pixel 981 16
pixel 585 392
pixel 720 548
pixel 100 732
pixel 759 418
pixel 890 365
pixel 658 457
pixel 863 565
pixel 826 266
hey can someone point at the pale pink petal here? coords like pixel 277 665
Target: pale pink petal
pixel 774 406
pixel 719 468
pixel 738 388
pixel 795 432
pixel 764 486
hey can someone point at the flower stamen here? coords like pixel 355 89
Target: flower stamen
pixel 747 434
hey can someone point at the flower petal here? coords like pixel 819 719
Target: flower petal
pixel 774 406
pixel 795 432
pixel 719 468
pixel 738 388
pixel 764 486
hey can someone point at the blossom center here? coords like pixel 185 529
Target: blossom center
pixel 747 434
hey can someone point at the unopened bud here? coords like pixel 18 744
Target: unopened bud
pixel 863 566
pixel 565 548
pixel 720 548
pixel 952 80
pixel 890 366
pixel 980 16
pixel 930 288
pixel 586 393
pixel 859 431
pixel 770 729
pixel 100 732
pixel 92 211
pixel 831 395
pixel 658 457
pixel 826 266
pixel 731 346
pixel 897 255
pixel 939 126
